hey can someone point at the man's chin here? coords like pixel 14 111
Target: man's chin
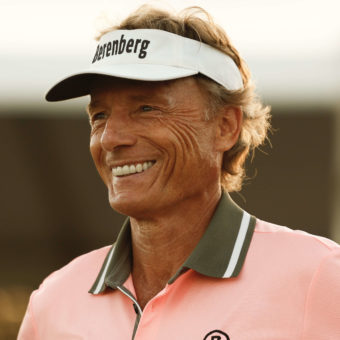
pixel 129 205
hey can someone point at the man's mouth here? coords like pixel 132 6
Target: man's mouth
pixel 130 169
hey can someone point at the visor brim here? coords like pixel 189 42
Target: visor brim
pixel 79 84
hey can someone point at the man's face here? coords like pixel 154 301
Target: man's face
pixel 151 144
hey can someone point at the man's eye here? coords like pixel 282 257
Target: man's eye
pixel 146 108
pixel 99 115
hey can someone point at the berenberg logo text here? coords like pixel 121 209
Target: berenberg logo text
pixel 120 46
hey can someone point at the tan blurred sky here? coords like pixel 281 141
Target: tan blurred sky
pixel 292 46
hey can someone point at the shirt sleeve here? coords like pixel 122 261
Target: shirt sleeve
pixel 28 328
pixel 322 314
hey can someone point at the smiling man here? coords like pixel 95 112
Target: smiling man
pixel 173 116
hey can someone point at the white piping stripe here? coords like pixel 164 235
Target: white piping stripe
pixel 238 245
pixel 102 277
pixel 132 298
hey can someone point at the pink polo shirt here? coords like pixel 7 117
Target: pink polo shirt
pixel 246 279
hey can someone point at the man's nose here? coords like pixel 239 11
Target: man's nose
pixel 117 132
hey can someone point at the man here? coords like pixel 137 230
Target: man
pixel 173 116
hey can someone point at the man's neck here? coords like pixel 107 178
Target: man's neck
pixel 162 244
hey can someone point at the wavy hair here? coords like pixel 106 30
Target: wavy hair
pixel 196 23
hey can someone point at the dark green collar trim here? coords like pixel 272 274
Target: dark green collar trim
pixel 220 253
pixel 117 265
pixel 222 250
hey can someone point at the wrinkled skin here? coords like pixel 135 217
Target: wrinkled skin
pixel 135 121
pixel 171 203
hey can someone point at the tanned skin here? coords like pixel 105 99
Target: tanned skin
pixel 171 203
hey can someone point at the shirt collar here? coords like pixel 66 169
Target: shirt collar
pixel 220 253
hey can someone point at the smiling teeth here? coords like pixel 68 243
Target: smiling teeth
pixel 131 169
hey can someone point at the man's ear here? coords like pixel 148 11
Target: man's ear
pixel 229 123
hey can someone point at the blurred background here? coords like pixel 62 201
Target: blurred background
pixel 53 204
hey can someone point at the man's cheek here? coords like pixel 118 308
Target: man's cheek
pixel 184 132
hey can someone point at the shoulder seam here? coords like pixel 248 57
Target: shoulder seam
pixel 55 272
pixel 316 238
pixel 316 272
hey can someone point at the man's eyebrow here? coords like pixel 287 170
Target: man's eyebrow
pixel 141 97
pixel 91 107
pixel 150 97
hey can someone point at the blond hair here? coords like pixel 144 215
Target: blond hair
pixel 196 23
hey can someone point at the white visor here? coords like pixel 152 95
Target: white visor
pixel 149 55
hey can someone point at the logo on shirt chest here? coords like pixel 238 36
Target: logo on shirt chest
pixel 216 335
